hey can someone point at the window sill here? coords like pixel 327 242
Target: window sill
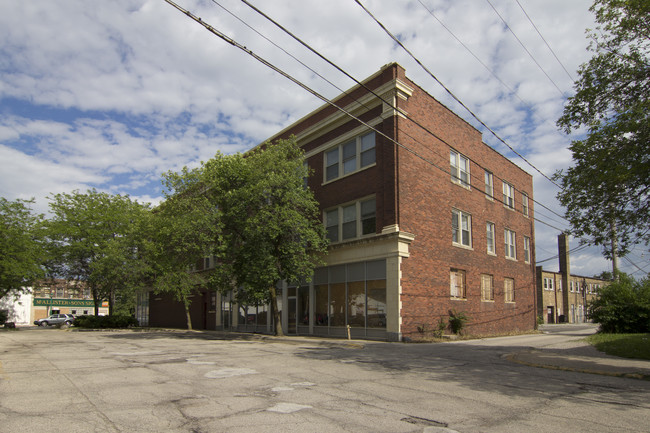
pixel 488 300
pixel 327 182
pixel 465 247
pixel 462 185
pixel 491 254
pixel 458 299
pixel 512 259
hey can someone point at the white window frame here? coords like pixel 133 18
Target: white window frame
pixel 458 218
pixel 526 249
pixel 457 171
pixel 508 195
pixel 456 290
pixel 490 238
pixel 341 215
pixel 524 204
pixel 363 144
pixel 510 241
pixel 509 292
pixel 489 185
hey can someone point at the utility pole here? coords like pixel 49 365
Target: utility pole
pixel 614 252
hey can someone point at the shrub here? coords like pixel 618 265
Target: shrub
pixel 457 321
pixel 102 322
pixel 623 307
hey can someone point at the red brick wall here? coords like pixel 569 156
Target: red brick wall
pixel 427 196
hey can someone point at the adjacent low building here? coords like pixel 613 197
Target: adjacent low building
pixel 563 297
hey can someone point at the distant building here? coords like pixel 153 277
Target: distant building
pixel 563 297
pixel 56 296
pixel 439 223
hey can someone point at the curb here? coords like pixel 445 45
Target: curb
pixel 533 358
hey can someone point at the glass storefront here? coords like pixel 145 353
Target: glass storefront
pixel 352 295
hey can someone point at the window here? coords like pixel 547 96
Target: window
pixel 548 284
pixel 508 195
pixel 491 249
pixel 347 222
pixel 461 228
pixel 571 286
pixel 332 225
pixel 489 184
pixel 524 204
pixel 457 284
pixel 350 156
pixel 526 249
pixel 509 289
pixel 511 250
pixel 459 168
pixel 487 287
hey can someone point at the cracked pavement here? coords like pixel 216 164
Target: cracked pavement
pixel 178 381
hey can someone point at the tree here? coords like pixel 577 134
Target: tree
pixel 270 228
pixel 606 192
pixel 622 306
pixel 21 251
pixel 90 240
pixel 183 230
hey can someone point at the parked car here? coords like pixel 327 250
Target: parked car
pixel 55 319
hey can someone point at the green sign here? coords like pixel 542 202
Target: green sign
pixel 49 302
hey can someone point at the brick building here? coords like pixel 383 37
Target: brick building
pixel 439 223
pixel 563 297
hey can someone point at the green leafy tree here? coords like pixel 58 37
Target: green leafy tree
pixel 183 230
pixel 270 228
pixel 606 191
pixel 622 306
pixel 90 239
pixel 21 251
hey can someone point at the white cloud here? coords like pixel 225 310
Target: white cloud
pixel 112 94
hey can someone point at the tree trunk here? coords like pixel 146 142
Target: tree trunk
pixel 186 304
pixel 111 301
pixel 276 313
pixel 96 300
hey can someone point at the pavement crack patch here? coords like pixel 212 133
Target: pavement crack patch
pixel 424 421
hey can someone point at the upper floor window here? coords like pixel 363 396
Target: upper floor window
pixel 350 156
pixel 351 221
pixel 508 195
pixel 511 249
pixel 491 249
pixel 461 228
pixel 489 184
pixel 526 249
pixel 524 204
pixel 548 284
pixel 459 168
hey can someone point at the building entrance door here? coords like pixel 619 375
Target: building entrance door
pixel 550 315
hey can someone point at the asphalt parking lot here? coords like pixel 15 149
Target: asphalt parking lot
pixel 178 381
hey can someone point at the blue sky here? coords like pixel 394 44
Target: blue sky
pixel 109 95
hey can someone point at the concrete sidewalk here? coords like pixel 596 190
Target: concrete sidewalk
pixel 584 362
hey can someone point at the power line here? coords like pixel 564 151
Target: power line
pixel 389 103
pixel 315 93
pixel 451 94
pixel 526 49
pixel 540 35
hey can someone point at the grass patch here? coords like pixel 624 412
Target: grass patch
pixel 636 346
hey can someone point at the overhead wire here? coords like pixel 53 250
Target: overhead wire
pixel 265 62
pixel 544 39
pixel 394 38
pixel 526 49
pixel 389 103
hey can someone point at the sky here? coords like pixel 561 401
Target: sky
pixel 110 95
